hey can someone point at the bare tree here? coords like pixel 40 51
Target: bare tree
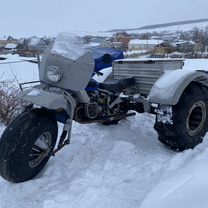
pixel 10 105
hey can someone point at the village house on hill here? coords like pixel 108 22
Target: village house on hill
pixel 36 44
pixel 14 48
pixel 121 40
pixel 5 40
pixel 24 47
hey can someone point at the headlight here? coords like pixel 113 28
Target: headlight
pixel 54 74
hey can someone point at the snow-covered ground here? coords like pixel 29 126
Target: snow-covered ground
pixel 122 166
pixel 17 69
pixel 116 166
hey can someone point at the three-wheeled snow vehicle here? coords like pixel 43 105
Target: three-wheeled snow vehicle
pixel 67 92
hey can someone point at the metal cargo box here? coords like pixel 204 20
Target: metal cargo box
pixel 146 71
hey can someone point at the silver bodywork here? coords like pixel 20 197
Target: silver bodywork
pixel 173 97
pixel 48 98
pixel 151 75
pixel 75 73
pixel 40 97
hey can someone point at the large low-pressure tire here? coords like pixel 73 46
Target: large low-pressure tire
pixel 26 145
pixel 189 120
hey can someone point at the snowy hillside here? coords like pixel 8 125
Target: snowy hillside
pixel 168 29
pixel 122 166
pixel 185 27
pixel 171 29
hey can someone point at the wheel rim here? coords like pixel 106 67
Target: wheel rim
pixel 40 149
pixel 196 118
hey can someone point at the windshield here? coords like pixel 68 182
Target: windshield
pixel 69 46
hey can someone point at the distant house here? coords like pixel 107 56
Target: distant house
pixel 32 46
pixel 15 48
pixel 5 40
pixel 10 39
pixel 138 44
pixel 121 40
pixel 36 44
pixel 184 46
pixel 10 46
pixel 164 48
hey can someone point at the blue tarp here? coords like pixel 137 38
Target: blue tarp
pixel 105 56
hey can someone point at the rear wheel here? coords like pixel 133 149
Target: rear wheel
pixel 189 120
pixel 26 145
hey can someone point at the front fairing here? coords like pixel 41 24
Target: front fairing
pixel 75 74
pixel 74 61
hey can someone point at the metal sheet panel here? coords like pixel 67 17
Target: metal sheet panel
pixel 146 72
pixel 76 74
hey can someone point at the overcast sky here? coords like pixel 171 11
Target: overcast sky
pixel 49 17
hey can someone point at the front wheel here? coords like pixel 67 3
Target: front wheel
pixel 26 145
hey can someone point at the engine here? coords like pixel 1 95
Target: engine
pixel 99 108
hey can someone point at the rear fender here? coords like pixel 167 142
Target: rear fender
pixel 169 87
